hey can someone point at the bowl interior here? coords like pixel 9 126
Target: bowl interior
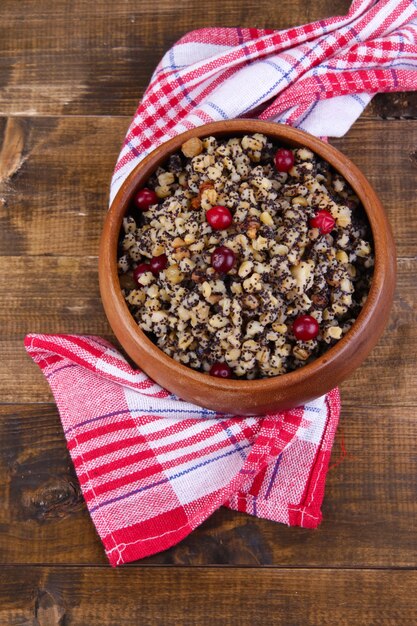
pixel 352 348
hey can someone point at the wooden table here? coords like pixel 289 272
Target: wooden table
pixel 71 75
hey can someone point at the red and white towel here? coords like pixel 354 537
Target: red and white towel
pixel 318 77
pixel 152 467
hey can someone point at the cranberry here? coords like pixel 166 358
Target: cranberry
pixel 284 160
pixel 223 259
pixel 221 370
pixel 145 198
pixel 141 269
pixel 158 263
pixel 305 327
pixel 219 217
pixel 323 221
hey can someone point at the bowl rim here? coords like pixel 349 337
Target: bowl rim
pixel 382 240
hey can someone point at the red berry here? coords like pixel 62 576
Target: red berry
pixel 141 269
pixel 222 370
pixel 323 221
pixel 223 259
pixel 305 327
pixel 145 198
pixel 284 160
pixel 219 217
pixel 158 263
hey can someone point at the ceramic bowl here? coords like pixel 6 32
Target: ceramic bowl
pixel 251 397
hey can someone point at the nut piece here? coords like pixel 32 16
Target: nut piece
pixel 279 328
pixel 245 269
pixel 364 249
pixel 253 227
pixel 146 278
pixel 136 297
pixel 178 243
pixel 303 274
pixel 300 353
pixel 198 276
pixel 300 201
pixel 266 219
pixel 173 274
pixel 208 198
pixel 167 178
pixel 250 302
pixel 159 316
pixel 342 257
pixel 163 191
pixel 192 147
pixel 334 332
pixel 206 289
pixel 319 300
pixel 181 253
pixel 157 250
pixel 304 154
pixel 217 321
pixel 204 187
pixel 189 238
pixel 253 283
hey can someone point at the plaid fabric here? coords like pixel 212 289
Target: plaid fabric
pixel 318 77
pixel 152 467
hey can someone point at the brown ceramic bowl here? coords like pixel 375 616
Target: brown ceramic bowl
pixel 268 394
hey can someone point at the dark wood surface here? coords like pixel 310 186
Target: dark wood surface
pixel 203 596
pixel 71 73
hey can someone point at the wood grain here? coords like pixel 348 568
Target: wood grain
pixel 97 58
pixel 206 597
pixel 397 105
pixel 56 295
pixel 11 154
pixel 71 75
pixel 369 510
pixel 368 144
pixel 47 73
pixel 50 294
pixel 62 187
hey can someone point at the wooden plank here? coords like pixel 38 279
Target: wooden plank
pixel 55 200
pixel 60 294
pixel 40 494
pixel 397 105
pixel 86 59
pixel 369 510
pixel 53 294
pixel 47 72
pixel 387 377
pixel 206 597
pixel 370 145
pixel 79 57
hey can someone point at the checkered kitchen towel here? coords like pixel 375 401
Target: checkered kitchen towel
pixel 152 467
